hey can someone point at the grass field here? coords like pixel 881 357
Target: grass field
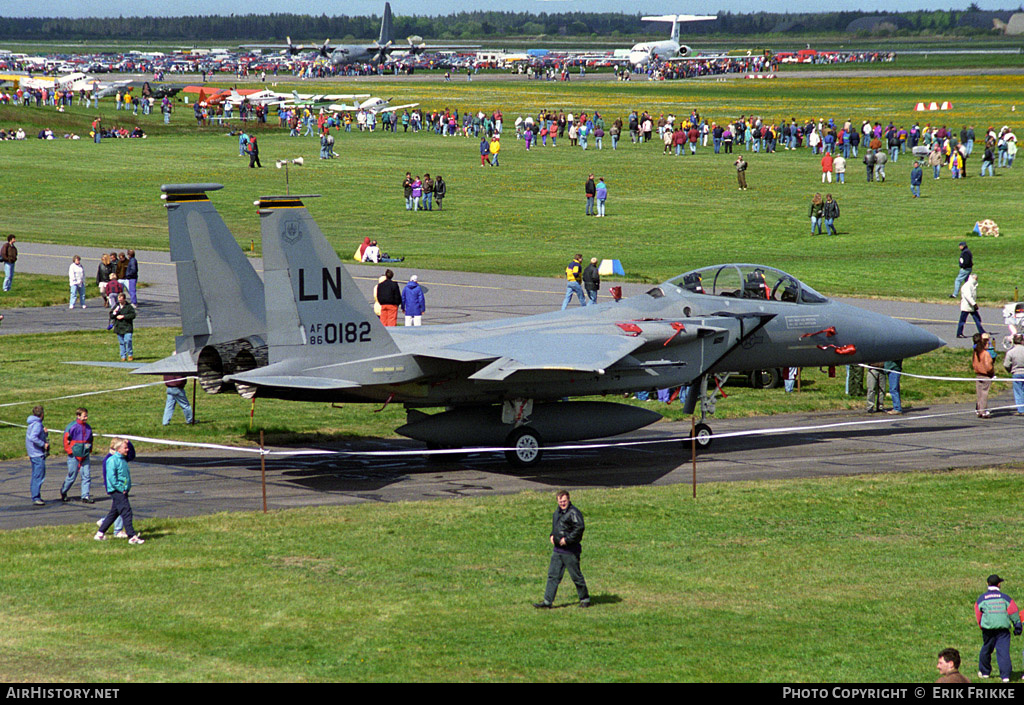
pixel 839 580
pixel 34 290
pixel 854 579
pixel 665 214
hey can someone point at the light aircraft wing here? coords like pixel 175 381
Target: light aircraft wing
pixel 344 96
pixel 392 108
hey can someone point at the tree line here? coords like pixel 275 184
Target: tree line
pixel 464 25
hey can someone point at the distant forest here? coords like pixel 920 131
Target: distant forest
pixel 492 25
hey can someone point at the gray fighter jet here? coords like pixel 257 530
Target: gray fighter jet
pixel 307 333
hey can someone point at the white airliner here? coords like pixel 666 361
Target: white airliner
pixel 643 53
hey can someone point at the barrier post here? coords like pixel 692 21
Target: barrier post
pixel 263 472
pixel 693 453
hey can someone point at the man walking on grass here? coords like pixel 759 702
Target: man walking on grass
pixel 566 534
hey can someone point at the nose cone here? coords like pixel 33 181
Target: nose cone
pixel 879 337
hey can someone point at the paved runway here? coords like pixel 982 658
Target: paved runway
pixel 189 482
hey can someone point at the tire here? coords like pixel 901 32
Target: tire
pixel 527 445
pixel 703 434
pixel 770 378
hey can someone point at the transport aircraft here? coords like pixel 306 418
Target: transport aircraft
pixel 370 52
pixel 306 332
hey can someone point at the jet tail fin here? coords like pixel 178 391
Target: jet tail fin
pixel 314 310
pixel 220 293
pixel 387 34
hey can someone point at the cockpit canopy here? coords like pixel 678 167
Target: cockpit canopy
pixel 746 281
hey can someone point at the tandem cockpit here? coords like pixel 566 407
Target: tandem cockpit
pixel 741 281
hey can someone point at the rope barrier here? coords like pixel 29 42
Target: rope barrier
pixel 499 449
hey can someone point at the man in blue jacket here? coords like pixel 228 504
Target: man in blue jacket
pixel 414 303
pixel 915 180
pixel 38 447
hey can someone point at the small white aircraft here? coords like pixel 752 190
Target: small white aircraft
pixel 313 100
pixel 373 105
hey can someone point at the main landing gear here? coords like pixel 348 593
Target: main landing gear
pixel 707 399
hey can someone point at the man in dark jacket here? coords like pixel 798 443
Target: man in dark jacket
pixel 131 273
pixel 592 280
pixel 9 256
pixel 966 262
pixel 440 191
pixel 254 153
pixel 590 189
pixel 566 534
pixel 915 180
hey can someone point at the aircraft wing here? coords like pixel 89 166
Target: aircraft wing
pixel 519 352
pixel 304 382
pixel 100 363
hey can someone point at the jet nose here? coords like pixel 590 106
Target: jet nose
pixel 885 338
pixel 917 340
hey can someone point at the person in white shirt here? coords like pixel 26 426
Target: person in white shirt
pixel 76 280
pixel 372 253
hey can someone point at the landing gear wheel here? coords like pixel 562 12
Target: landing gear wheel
pixel 703 435
pixel 527 447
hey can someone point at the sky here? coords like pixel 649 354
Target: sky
pixel 138 8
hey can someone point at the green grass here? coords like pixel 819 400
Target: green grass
pixel 665 214
pixel 32 290
pixel 803 581
pixel 31 377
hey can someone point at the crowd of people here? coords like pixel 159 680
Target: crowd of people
pixel 687 134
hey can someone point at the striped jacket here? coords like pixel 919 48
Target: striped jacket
pixel 996 610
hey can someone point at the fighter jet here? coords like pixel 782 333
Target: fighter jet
pixel 375 52
pixel 502 382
